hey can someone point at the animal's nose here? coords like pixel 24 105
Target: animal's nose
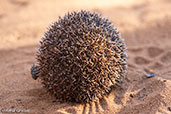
pixel 34 72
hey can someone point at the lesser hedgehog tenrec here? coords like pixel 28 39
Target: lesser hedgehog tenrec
pixel 80 57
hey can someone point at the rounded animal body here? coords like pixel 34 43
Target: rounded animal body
pixel 81 57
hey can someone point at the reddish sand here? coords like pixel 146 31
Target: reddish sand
pixel 146 26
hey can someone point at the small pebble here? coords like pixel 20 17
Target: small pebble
pixel 131 95
pixel 53 101
pixel 18 99
pixel 169 108
pixel 12 107
pixel 164 80
pixel 142 96
pixel 149 75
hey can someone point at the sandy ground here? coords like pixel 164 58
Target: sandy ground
pixel 146 26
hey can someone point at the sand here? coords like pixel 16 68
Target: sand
pixel 145 25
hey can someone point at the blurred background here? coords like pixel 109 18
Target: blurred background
pixel 28 19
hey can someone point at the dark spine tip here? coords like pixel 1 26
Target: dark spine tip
pixel 34 72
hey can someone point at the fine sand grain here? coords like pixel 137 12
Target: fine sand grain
pixel 146 27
